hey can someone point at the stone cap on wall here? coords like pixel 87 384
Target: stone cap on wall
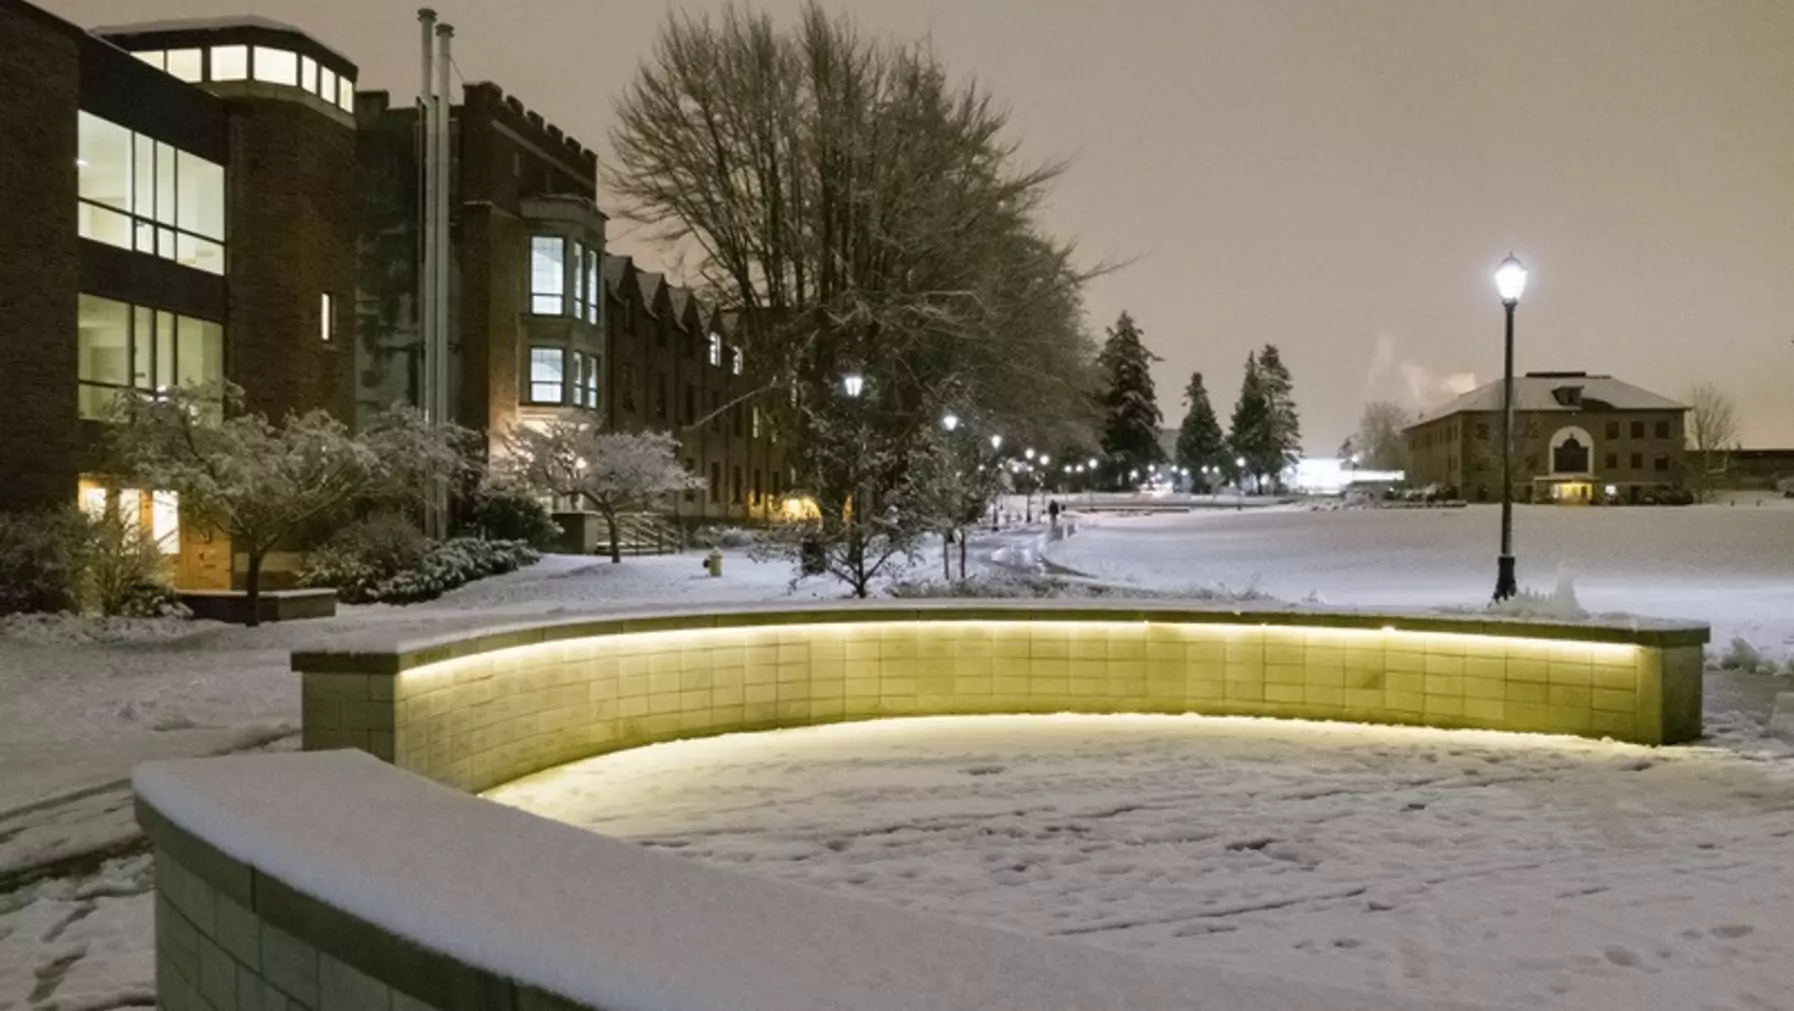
pixel 392 653
pixel 459 902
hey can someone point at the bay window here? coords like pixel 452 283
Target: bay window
pixel 123 348
pixel 547 275
pixel 547 375
pixel 591 286
pixel 142 194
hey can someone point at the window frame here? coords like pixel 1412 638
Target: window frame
pixel 326 317
pixel 154 349
pixel 532 384
pixel 537 276
pixel 154 215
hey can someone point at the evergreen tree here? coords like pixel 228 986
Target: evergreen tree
pixel 1284 439
pixel 1200 442
pixel 1131 414
pixel 1251 435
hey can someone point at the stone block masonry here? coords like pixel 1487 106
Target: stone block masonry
pixel 480 711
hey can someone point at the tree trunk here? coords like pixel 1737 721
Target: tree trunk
pixel 616 543
pixel 947 556
pixel 963 534
pixel 253 593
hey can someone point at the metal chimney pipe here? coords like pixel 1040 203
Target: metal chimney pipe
pixel 426 293
pixel 444 222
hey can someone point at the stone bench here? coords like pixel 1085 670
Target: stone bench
pixel 273 605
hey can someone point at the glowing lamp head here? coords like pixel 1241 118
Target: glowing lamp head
pixel 1045 459
pixel 996 442
pixel 1510 280
pixel 1029 452
pixel 950 422
pixel 854 384
pixel 1240 462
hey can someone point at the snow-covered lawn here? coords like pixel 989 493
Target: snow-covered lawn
pixel 1730 566
pixel 1524 871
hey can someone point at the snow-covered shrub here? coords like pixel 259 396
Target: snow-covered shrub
pixel 43 556
pixel 727 537
pixel 363 555
pixel 1560 603
pixel 509 514
pixel 1741 655
pixel 1005 586
pixel 452 564
pixel 127 573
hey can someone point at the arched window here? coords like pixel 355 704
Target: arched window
pixel 1569 457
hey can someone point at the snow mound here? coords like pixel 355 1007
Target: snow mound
pixel 76 629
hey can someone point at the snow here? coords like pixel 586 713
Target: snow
pixel 618 926
pixel 1523 871
pixel 1728 566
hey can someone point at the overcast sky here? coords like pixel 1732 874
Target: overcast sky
pixel 1338 177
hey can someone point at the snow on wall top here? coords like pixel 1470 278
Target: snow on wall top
pixel 1536 392
pixel 610 925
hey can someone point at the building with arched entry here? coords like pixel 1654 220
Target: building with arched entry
pixel 1577 438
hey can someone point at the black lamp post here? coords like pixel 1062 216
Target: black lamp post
pixel 1510 281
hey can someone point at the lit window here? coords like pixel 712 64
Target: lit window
pixel 230 63
pixel 579 291
pixel 121 347
pixel 186 64
pixel 276 66
pixel 736 362
pixel 547 368
pixel 595 365
pixel 130 184
pixel 547 275
pixel 716 350
pixel 345 94
pixel 165 521
pixel 591 286
pixel 155 58
pixel 308 74
pixel 326 317
pixel 756 423
pixel 327 84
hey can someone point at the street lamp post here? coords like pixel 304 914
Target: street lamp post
pixel 1239 500
pixel 1510 282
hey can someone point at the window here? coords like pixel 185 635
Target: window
pixel 1613 461
pixel 690 414
pixel 756 429
pixel 308 74
pixel 660 396
pixel 121 347
pixel 1482 431
pixel 547 370
pixel 230 63
pixel 547 275
pixel 1638 429
pixel 626 386
pixel 716 482
pixel 735 361
pixel 591 286
pixel 326 317
pixel 1637 461
pixel 326 84
pixel 735 413
pixel 579 290
pixel 276 66
pixel 716 411
pixel 756 490
pixel 345 94
pixel 1660 463
pixel 142 194
pixel 716 350
pixel 1613 429
pixel 691 494
pixel 594 365
pixel 154 57
pixel 735 484
pixel 186 64
pixel 1662 429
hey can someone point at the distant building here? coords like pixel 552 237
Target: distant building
pixel 1576 437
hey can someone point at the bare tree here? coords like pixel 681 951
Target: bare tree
pixel 1712 433
pixel 1380 443
pixel 613 472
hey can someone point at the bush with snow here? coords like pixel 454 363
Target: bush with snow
pixel 1559 604
pixel 1742 655
pixel 1004 586
pixel 500 513
pixel 385 559
pixel 452 564
pixel 727 537
pixel 43 558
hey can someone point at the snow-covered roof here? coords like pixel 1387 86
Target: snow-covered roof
pixel 1537 391
pixel 612 269
pixel 210 25
pixel 681 297
pixel 649 283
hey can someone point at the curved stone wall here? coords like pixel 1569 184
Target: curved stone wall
pixel 480 709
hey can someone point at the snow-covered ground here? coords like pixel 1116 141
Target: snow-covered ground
pixel 1522 871
pixel 1731 566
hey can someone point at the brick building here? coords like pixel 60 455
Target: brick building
pixel 1576 437
pixel 546 323
pixel 179 212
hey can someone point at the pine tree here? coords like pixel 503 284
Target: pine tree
pixel 1250 435
pixel 1284 441
pixel 1131 414
pixel 1200 442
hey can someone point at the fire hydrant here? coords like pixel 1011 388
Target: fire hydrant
pixel 713 564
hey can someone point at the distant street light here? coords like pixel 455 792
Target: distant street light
pixel 854 384
pixel 1029 452
pixel 996 442
pixel 1510 283
pixel 1092 463
pixel 950 422
pixel 1045 459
